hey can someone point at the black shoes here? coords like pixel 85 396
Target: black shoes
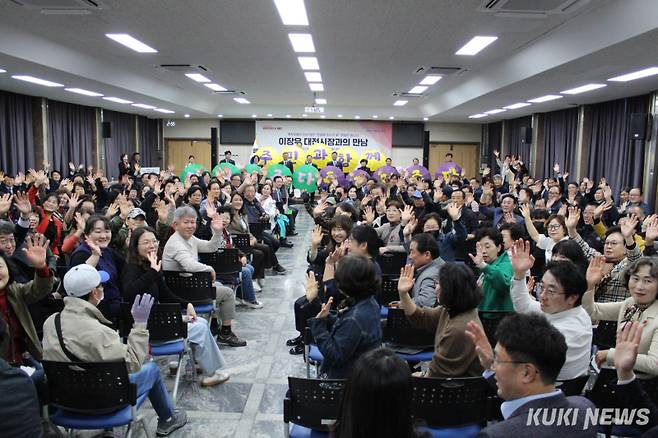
pixel 231 340
pixel 294 341
pixel 279 269
pixel 285 244
pixel 297 349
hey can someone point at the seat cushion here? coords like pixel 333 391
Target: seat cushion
pixel 383 311
pixel 468 431
pixel 88 422
pixel 297 431
pixel 168 348
pixel 314 354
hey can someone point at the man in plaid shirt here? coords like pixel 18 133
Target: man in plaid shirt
pixel 619 250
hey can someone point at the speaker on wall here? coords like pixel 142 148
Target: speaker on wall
pixel 638 126
pixel 526 134
pixel 213 146
pixel 107 130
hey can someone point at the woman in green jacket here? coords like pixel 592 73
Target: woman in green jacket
pixel 495 271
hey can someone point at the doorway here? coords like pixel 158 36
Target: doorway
pixel 178 152
pixel 464 154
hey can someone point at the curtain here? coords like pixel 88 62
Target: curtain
pixel 150 148
pixel 122 140
pixel 71 134
pixel 494 134
pixel 16 134
pixel 560 135
pixel 514 143
pixel 612 154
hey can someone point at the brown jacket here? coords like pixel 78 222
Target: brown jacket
pixel 19 296
pixel 454 353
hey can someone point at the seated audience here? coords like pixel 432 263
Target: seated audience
pixel 556 228
pixel 424 256
pixel 495 268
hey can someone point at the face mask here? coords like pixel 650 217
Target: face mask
pixel 101 298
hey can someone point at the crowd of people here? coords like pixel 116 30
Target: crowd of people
pixel 547 259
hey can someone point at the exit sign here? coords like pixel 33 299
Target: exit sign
pixel 314 109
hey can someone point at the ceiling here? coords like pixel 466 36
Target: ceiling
pixel 367 49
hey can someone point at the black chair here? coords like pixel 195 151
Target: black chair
pixel 490 320
pixel 399 331
pixel 258 228
pixel 197 288
pixel 451 402
pixel 389 289
pixel 605 335
pixel 92 395
pixel 311 404
pixel 572 386
pixel 226 263
pixel 242 242
pixel 392 262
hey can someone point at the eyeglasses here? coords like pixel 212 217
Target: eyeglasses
pixel 554 227
pixel 8 241
pixel 611 243
pixel 149 242
pixel 549 291
pixel 496 361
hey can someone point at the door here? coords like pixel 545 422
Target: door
pixel 465 155
pixel 178 152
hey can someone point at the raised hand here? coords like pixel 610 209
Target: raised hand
pixel 142 308
pixel 311 286
pixel 95 249
pixel 525 211
pixel 324 311
pixel 573 218
pixel 5 203
pixel 153 260
pixel 454 211
pixel 478 259
pixel 595 271
pixel 651 233
pixel 320 209
pixel 521 258
pixel 407 214
pixel 20 178
pixel 476 334
pixel 628 226
pixel 163 211
pixel 316 236
pixel 36 248
pixel 626 349
pixel 496 153
pixel 556 168
pixel 217 224
pixel 211 211
pixel 602 208
pixel 79 222
pixel 407 280
pixel 74 200
pixel 410 227
pixel 369 215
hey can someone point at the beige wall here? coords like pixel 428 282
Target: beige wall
pixel 454 132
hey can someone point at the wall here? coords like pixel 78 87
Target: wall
pixel 404 156
pixel 457 132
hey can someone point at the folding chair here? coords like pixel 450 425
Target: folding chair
pixel 257 229
pixel 490 320
pixel 197 288
pixel 389 293
pixel 167 335
pixel 311 405
pixel 572 386
pixel 392 262
pixel 451 407
pixel 312 353
pixel 227 265
pixel 242 242
pixel 401 337
pixel 605 335
pixel 92 395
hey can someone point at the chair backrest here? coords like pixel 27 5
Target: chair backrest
pixel 399 331
pixel 450 402
pixel 195 287
pixel 224 261
pixel 651 388
pixel 392 262
pixel 165 322
pixel 241 241
pixel 91 388
pixel 572 386
pixel 312 403
pixel 389 289
pixel 605 335
pixel 602 393
pixel 490 320
pixel 257 229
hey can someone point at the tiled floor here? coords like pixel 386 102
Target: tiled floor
pixel 250 404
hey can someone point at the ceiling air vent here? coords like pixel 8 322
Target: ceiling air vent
pixel 405 94
pixel 63 7
pixel 436 71
pixel 185 68
pixel 242 93
pixel 530 8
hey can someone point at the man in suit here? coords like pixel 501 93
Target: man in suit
pixel 227 158
pixel 335 161
pixel 364 166
pixel 524 365
pixel 309 161
pixel 286 162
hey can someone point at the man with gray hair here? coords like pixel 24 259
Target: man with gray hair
pixel 181 253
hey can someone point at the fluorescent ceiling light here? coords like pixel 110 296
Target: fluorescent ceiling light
pixel 241 100
pixel 143 105
pixel 430 80
pixel 2 70
pixel 391 118
pixel 477 116
pixel 400 103
pixel 37 81
pixel 308 62
pixel 517 105
pixel 340 116
pixel 357 117
pixel 269 115
pixel 545 98
pixel 426 118
pixel 304 115
pixel 375 116
pixel 162 110
pixel 82 91
pixel 118 100
pixel 287 116
pixel 495 111
pixel 316 87
pixel 313 76
pixel 321 101
pixel 197 77
pixel 636 75
pixel 476 44
pixel 302 42
pixel 130 42
pixel 583 88
pixel 215 87
pixel 323 116
pixel 220 115
pixel 292 12
pixel 418 89
pixel 253 116
pixel 187 116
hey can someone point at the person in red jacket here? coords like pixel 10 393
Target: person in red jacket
pixel 49 225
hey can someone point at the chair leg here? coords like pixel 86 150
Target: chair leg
pixel 286 429
pixel 307 350
pixel 174 395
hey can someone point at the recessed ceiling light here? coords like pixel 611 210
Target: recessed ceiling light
pixel 313 76
pixel 302 42
pixel 316 87
pixel 197 77
pixel 308 63
pixel 391 118
pixel 583 88
pixel 215 87
pixel 166 111
pixel 321 101
pixel 418 89
pixel 477 116
pixel 83 91
pixel 269 115
pixel 517 105
pixel 495 111
pixel 375 116
pixel 2 70
pixel 304 115
pixel 357 117
pixel 130 42
pixel 426 118
pixel 187 116
pixel 340 116
pixel 400 103
pixel 292 12
pixel 220 115
pixel 545 98
pixel 143 105
pixel 241 100
pixel 430 80
pixel 253 116
pixel 636 75
pixel 118 100
pixel 37 81
pixel 475 45
pixel 287 116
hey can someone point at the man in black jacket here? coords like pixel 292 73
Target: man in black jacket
pixel 227 158
pixel 286 162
